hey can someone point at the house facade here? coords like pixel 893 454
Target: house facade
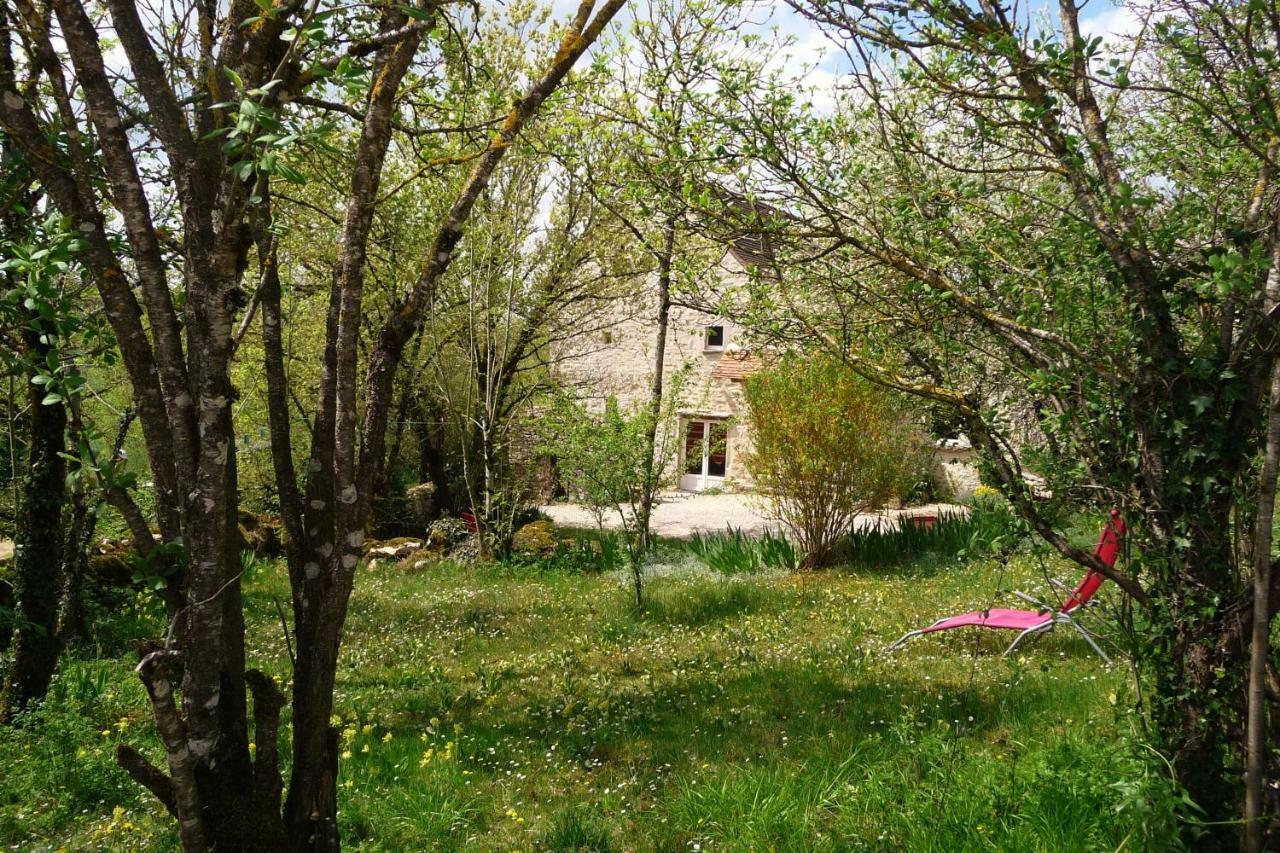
pixel 705 358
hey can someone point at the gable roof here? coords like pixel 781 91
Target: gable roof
pixel 745 225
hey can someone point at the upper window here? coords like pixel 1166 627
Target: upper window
pixel 715 337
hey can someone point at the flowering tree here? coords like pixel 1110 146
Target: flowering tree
pixel 826 446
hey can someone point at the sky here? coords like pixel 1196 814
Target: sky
pixel 817 62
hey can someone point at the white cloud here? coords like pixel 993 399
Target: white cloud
pixel 1116 24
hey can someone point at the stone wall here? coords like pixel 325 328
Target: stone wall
pixel 618 362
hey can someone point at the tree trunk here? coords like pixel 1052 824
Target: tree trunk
pixel 1199 665
pixel 655 394
pixel 429 432
pixel 72 624
pixel 38 551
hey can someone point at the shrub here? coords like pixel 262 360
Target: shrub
pixel 616 463
pixel 537 539
pixel 591 554
pixel 445 534
pixel 827 446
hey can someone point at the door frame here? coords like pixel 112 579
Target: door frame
pixel 704 479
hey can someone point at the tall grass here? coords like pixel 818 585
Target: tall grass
pixel 734 552
pixel 889 544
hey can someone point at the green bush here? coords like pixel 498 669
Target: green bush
pixel 827 445
pixel 586 552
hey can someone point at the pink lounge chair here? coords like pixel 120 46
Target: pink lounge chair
pixel 1035 622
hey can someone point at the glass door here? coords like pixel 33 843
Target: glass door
pixel 706 454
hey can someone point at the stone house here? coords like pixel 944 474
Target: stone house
pixel 716 358
pixel 707 351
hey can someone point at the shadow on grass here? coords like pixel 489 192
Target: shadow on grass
pixel 700 601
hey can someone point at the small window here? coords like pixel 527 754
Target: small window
pixel 715 337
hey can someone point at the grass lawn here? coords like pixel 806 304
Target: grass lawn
pixel 498 710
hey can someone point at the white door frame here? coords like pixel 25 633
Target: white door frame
pixel 703 479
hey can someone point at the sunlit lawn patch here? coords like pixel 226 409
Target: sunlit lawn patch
pixel 486 709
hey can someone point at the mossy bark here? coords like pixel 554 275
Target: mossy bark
pixel 37 559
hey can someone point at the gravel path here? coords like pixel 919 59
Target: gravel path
pixel 681 514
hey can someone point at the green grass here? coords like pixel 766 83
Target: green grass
pixel 497 710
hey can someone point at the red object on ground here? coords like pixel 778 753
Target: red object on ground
pixel 925 521
pixel 470 519
pixel 1033 622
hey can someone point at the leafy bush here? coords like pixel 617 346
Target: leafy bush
pixel 537 538
pixel 827 446
pixel 589 552
pixel 734 552
pixel 445 534
pixel 616 463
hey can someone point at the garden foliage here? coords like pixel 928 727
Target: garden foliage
pixel 827 445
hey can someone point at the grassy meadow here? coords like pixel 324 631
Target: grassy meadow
pixel 510 708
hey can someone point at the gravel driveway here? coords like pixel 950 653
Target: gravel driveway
pixel 681 514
